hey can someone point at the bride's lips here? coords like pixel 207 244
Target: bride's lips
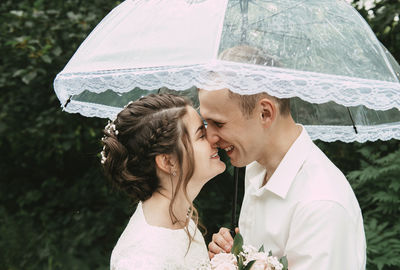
pixel 215 155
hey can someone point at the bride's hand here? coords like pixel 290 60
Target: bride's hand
pixel 221 242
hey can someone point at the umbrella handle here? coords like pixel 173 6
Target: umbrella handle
pixel 234 222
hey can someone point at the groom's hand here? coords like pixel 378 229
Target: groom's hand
pixel 221 242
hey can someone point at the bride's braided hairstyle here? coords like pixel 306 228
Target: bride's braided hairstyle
pixel 146 128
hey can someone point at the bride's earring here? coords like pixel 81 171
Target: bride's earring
pixel 188 212
pixel 172 168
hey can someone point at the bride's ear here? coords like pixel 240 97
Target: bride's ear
pixel 167 164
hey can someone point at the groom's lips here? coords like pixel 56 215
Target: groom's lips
pixel 229 149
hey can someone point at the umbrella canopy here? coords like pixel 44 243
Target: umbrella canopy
pixel 343 83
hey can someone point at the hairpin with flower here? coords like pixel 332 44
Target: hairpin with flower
pixel 110 128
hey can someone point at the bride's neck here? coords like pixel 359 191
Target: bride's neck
pixel 156 210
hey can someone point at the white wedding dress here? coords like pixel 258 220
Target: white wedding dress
pixel 143 246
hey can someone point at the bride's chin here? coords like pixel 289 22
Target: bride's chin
pixel 222 168
pixel 218 171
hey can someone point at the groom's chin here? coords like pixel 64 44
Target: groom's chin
pixel 238 163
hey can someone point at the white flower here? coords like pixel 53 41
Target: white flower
pixel 103 157
pixel 259 265
pixel 256 256
pixel 224 259
pixel 226 266
pixel 248 249
pixel 250 253
pixel 129 103
pixel 266 263
pixel 274 263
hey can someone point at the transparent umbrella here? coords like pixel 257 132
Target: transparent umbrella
pixel 343 84
pixel 322 52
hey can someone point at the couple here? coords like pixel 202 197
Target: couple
pixel 296 202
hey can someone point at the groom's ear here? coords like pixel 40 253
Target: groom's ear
pixel 166 163
pixel 266 110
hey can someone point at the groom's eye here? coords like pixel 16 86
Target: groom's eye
pixel 218 124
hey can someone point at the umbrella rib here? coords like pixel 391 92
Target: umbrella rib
pixel 294 6
pixel 352 121
pixel 291 24
pixel 67 102
pixel 283 34
pixel 258 5
pixel 338 16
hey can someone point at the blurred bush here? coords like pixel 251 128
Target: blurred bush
pixel 57 210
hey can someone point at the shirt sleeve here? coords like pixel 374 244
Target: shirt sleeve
pixel 323 236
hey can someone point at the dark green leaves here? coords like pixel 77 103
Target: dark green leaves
pixel 237 244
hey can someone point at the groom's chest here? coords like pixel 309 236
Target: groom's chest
pixel 265 220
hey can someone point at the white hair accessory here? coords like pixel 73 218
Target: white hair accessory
pixel 110 127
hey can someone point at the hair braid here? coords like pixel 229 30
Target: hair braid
pixel 145 128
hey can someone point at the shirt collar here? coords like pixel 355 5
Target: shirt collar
pixel 282 179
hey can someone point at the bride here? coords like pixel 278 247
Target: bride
pixel 157 152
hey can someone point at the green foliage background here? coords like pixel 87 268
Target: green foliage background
pixel 57 211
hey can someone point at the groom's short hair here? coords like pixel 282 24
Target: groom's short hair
pixel 252 55
pixel 247 103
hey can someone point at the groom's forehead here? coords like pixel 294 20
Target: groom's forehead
pixel 216 100
pixel 210 115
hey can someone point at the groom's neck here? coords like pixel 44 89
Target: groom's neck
pixel 281 137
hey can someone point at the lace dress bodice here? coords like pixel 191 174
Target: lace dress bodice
pixel 143 246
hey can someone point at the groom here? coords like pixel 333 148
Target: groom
pixel 297 202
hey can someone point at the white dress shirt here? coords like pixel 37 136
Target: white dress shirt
pixel 306 211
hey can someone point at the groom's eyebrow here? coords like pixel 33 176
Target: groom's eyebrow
pixel 213 119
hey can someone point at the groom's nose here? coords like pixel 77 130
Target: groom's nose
pixel 212 136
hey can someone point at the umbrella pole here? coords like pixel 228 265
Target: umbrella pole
pixel 234 200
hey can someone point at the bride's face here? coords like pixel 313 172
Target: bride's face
pixel 206 160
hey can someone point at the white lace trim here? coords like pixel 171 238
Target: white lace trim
pixel 240 78
pixel 347 134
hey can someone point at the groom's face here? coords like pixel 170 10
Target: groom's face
pixel 228 128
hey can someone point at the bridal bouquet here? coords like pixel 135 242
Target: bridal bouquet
pixel 243 257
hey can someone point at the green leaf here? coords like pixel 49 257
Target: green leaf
pixel 240 262
pixel 261 249
pixel 249 265
pixel 57 51
pixel 284 262
pixel 19 72
pixel 47 59
pixel 29 77
pixel 237 244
